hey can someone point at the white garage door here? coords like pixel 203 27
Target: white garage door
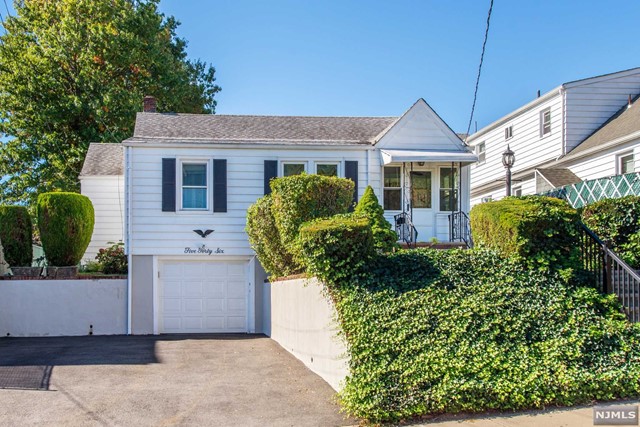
pixel 203 297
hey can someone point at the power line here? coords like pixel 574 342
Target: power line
pixel 475 93
pixel 7 7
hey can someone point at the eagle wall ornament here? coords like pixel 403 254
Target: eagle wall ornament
pixel 204 233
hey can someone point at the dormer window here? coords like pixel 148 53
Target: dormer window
pixel 508 133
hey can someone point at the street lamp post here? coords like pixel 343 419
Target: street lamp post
pixel 508 159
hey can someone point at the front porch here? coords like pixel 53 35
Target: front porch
pixel 427 202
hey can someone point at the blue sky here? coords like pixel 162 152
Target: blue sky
pixel 329 57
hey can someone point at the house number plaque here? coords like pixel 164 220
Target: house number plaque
pixel 203 250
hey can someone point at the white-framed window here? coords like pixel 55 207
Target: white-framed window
pixel 481 151
pixel 293 168
pixel 486 199
pixel 545 122
pixel 392 193
pixel 517 191
pixel 448 189
pixel 508 133
pixel 328 168
pixel 626 163
pixel 194 176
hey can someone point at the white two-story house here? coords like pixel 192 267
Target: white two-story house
pixel 581 130
pixel 189 179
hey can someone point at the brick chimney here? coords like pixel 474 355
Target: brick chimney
pixel 149 104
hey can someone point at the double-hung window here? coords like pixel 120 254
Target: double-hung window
pixel 293 168
pixel 481 151
pixel 392 189
pixel 545 122
pixel 448 189
pixel 508 133
pixel 194 193
pixel 327 169
pixel 626 163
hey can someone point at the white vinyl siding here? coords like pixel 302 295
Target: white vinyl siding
pixel 154 232
pixel 530 150
pixel 590 105
pixel 605 163
pixel 107 196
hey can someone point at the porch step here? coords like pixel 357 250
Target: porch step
pixel 439 245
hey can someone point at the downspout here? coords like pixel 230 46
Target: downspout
pixel 127 204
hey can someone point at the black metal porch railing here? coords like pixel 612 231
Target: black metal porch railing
pixel 460 228
pixel 611 273
pixel 404 227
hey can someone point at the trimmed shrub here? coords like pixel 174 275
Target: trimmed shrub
pixel 337 248
pixel 113 259
pixel 618 222
pixel 541 230
pixel 265 240
pixel 16 233
pixel 65 222
pixel 473 331
pixel 301 198
pixel 385 239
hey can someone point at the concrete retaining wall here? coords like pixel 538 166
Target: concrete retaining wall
pixel 303 322
pixel 30 308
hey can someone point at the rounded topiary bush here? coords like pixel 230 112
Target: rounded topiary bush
pixel 65 222
pixel 15 234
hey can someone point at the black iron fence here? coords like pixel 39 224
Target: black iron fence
pixel 611 273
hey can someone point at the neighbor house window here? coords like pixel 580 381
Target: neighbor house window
pixel 481 152
pixel 194 186
pixel 626 163
pixel 508 132
pixel 293 168
pixel 448 189
pixel 545 122
pixel 517 191
pixel 392 190
pixel 486 199
pixel 327 169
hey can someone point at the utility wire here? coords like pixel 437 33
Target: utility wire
pixel 7 7
pixel 475 93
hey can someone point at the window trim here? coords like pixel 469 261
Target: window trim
pixel 179 186
pixel 514 190
pixel 340 173
pixel 508 132
pixel 400 187
pixel 619 158
pixel 430 171
pixel 482 155
pixel 305 163
pixel 455 187
pixel 542 125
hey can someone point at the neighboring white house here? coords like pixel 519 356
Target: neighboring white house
pixel 102 180
pixel 186 172
pixel 559 138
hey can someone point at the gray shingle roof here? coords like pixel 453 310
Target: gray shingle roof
pixel 229 128
pixel 625 122
pixel 559 177
pixel 103 159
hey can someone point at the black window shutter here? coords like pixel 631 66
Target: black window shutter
pixel 220 185
pixel 351 172
pixel 270 171
pixel 168 185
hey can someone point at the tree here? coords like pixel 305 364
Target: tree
pixel 74 72
pixel 385 239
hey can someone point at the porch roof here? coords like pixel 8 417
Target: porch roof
pixel 399 156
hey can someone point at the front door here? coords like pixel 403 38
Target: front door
pixel 422 204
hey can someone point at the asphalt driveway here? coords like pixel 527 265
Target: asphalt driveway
pixel 217 380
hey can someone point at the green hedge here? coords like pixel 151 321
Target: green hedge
pixel 617 221
pixel 337 248
pixel 265 240
pixel 385 239
pixel 65 222
pixel 16 232
pixel 301 198
pixel 473 331
pixel 544 231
